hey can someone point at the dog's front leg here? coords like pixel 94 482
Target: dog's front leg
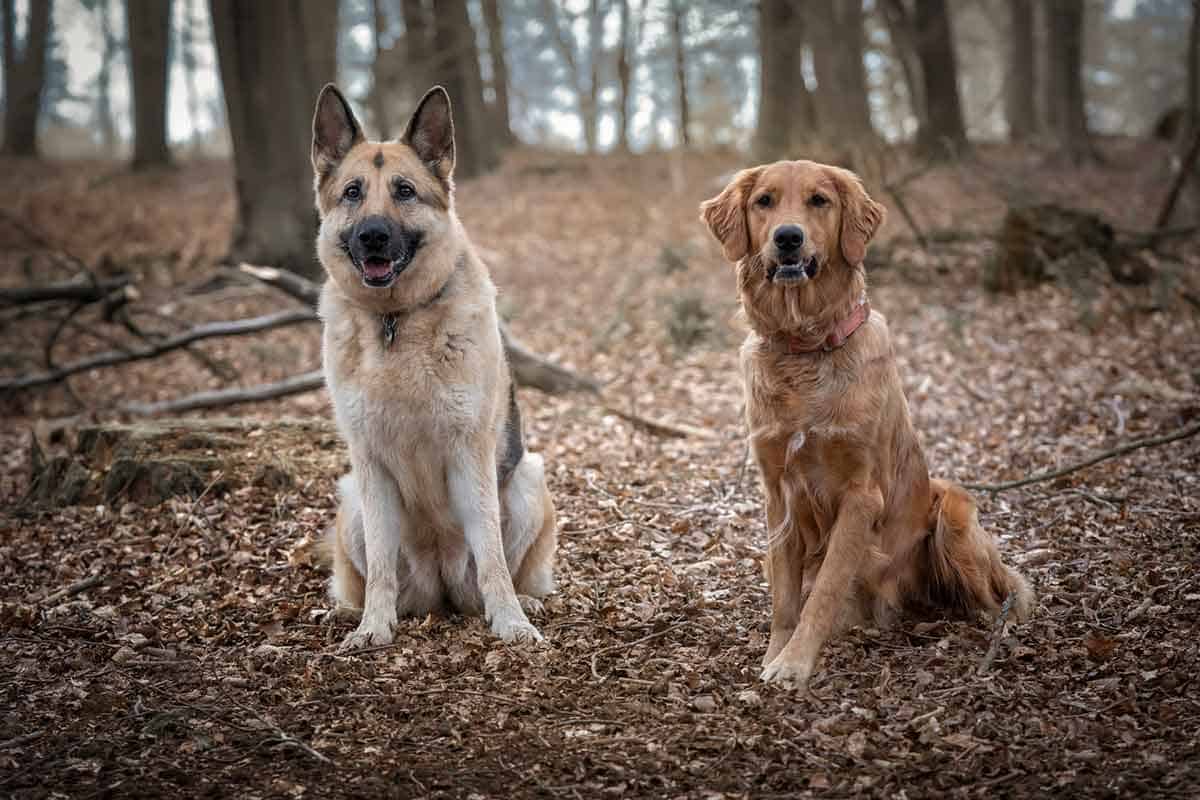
pixel 475 502
pixel 785 571
pixel 848 544
pixel 383 519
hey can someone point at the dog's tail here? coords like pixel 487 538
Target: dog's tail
pixel 965 572
pixel 347 587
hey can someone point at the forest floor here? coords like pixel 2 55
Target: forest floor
pixel 200 660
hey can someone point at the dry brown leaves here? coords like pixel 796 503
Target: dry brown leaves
pixel 201 662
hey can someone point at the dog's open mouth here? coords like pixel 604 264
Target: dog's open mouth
pixel 379 272
pixel 796 272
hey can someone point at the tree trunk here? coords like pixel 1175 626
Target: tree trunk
pixel 458 70
pixel 624 77
pixel 187 57
pixel 24 77
pixel 1192 110
pixel 378 93
pixel 678 23
pixel 1066 62
pixel 785 106
pixel 589 99
pixel 944 132
pixel 274 57
pixel 1051 75
pixel 501 112
pixel 904 43
pixel 108 52
pixel 837 45
pixel 418 45
pixel 148 23
pixel 1021 82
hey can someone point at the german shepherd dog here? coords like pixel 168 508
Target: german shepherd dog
pixel 443 509
pixel 856 527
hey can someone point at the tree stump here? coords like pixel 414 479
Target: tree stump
pixel 151 461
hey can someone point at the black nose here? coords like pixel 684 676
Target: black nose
pixel 373 234
pixel 789 237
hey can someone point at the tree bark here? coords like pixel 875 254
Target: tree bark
pixel 1021 81
pixel 1065 61
pixel 418 43
pixel 148 23
pixel 458 70
pixel 837 46
pixel 678 32
pixel 1193 77
pixel 24 77
pixel 944 132
pixel 274 56
pixel 589 99
pixel 104 114
pixel 904 43
pixel 624 77
pixel 378 93
pixel 785 105
pixel 495 30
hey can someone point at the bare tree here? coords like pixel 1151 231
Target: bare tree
pixel 457 68
pixel 943 130
pixel 1065 62
pixel 274 56
pixel 903 35
pixel 378 94
pixel 625 51
pixel 836 28
pixel 679 47
pixel 495 31
pixel 108 54
pixel 418 45
pixel 148 23
pixel 786 110
pixel 1021 81
pixel 24 76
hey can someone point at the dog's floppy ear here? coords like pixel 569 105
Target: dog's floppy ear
pixel 725 215
pixel 430 132
pixel 861 216
pixel 335 130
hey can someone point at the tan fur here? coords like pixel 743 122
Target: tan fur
pixel 855 527
pixel 424 525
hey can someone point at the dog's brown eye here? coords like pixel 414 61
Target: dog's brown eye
pixel 405 192
pixel 764 201
pixel 818 200
pixel 352 192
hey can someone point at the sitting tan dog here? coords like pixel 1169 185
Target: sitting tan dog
pixel 856 528
pixel 443 509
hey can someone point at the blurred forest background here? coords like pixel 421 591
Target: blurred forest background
pixel 164 625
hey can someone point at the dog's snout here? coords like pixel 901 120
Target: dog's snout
pixel 373 233
pixel 789 237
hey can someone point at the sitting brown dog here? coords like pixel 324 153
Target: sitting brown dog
pixel 856 528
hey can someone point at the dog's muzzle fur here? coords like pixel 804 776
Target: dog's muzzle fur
pixel 380 249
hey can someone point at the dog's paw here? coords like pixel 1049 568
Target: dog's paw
pixel 365 636
pixel 517 631
pixel 532 606
pixel 790 674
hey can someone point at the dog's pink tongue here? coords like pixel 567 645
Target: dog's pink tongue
pixel 377 267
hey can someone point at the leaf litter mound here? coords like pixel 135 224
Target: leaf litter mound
pixel 188 647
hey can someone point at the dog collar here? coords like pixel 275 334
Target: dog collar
pixel 843 330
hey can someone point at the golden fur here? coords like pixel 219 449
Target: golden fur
pixel 432 517
pixel 856 528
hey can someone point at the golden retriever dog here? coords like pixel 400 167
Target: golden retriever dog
pixel 856 528
pixel 443 508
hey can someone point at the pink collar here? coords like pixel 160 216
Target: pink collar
pixel 797 345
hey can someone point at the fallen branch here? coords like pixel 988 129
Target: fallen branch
pixel 1185 169
pixel 286 738
pixel 529 369
pixel 75 588
pixel 76 291
pixel 297 384
pixel 657 427
pixel 1153 441
pixel 207 331
pixel 626 645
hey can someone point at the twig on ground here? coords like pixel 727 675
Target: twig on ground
pixel 75 588
pixel 986 662
pixel 285 737
pixel 207 331
pixel 626 645
pixel 297 384
pixel 657 427
pixel 1152 441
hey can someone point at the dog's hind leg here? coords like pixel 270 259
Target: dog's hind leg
pixel 965 572
pixel 530 531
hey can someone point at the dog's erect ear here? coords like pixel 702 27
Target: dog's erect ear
pixel 861 216
pixel 335 130
pixel 725 215
pixel 430 132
